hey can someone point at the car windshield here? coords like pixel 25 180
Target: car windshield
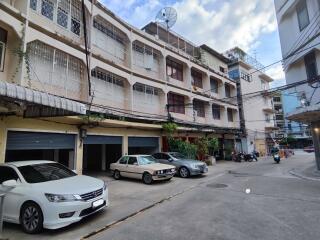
pixel 177 155
pixel 45 172
pixel 146 160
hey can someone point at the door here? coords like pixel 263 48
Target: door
pixel 133 168
pixel 13 196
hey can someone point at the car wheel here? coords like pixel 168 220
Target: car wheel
pixel 31 218
pixel 147 178
pixel 116 175
pixel 184 172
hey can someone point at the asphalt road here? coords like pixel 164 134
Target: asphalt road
pixel 279 206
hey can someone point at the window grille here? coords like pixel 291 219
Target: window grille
pixel 47 9
pixel 33 4
pixel 230 115
pixel 215 111
pixel 109 30
pixel 63 13
pixel 176 103
pixel 199 107
pixel 145 89
pixel 76 15
pixel 196 78
pixel 108 77
pixel 214 85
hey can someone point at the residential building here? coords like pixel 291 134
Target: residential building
pixel 279 116
pixel 255 104
pixel 81 86
pixel 298 24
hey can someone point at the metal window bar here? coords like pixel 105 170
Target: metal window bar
pixel 63 13
pixel 108 77
pixel 33 4
pixel 47 9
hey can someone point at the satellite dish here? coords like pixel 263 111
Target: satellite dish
pixel 167 16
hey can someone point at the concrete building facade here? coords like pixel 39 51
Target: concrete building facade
pixel 83 87
pixel 255 103
pixel 298 24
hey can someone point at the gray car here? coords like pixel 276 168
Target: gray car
pixel 184 167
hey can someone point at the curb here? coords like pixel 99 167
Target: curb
pixel 292 172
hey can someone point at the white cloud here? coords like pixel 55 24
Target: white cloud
pixel 278 76
pixel 219 24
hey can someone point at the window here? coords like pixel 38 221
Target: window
pixel 33 4
pixel 214 85
pixel 227 90
pixel 3 41
pixel 47 9
pixel 111 32
pixel 124 160
pixel 145 89
pixel 132 160
pixel 174 70
pixel 7 173
pixel 230 115
pixel 108 77
pixel 196 78
pixel 222 69
pixel 310 63
pixel 267 117
pixel 63 12
pixel 198 106
pixel 76 15
pixel 303 16
pixel 216 111
pixel 176 103
pixel 234 74
pixel 245 76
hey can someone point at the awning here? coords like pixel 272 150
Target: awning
pixel 306 115
pixel 40 104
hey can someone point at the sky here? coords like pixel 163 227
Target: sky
pixel 221 24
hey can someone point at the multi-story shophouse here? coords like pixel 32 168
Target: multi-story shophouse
pixel 82 87
pixel 298 24
pixel 255 103
pixel 279 120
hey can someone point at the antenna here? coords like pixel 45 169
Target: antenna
pixel 167 16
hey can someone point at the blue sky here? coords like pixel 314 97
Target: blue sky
pixel 221 24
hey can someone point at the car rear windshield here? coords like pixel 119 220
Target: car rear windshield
pixel 45 172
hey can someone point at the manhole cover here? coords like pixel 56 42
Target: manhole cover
pixel 217 185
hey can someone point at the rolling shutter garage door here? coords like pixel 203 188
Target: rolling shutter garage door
pixel 143 142
pixel 35 140
pixel 96 139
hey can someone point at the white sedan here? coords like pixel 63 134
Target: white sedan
pixel 45 194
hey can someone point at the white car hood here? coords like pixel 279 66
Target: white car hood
pixel 79 184
pixel 157 166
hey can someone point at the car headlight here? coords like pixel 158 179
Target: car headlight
pixel 195 166
pixel 160 172
pixel 62 197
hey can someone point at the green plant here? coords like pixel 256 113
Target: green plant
pixel 213 145
pixel 169 128
pixel 202 147
pixel 185 148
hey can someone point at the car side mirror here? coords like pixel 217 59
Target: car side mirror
pixel 170 160
pixel 10 183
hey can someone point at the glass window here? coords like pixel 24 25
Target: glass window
pixel 124 160
pixel 132 160
pixel 222 69
pixel 174 70
pixel 303 16
pixel 47 9
pixel 227 90
pixel 216 111
pixel 234 74
pixel 144 160
pixel 76 15
pixel 311 65
pixel 177 155
pixel 245 76
pixel 45 172
pixel 33 4
pixel 7 173
pixel 176 103
pixel 230 115
pixel 196 78
pixel 199 107
pixel 3 41
pixel 63 12
pixel 214 85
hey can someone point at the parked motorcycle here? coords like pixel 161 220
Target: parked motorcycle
pixel 250 157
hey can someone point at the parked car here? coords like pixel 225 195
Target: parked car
pixel 309 149
pixel 185 167
pixel 143 167
pixel 45 194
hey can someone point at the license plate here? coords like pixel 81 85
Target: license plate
pixel 97 203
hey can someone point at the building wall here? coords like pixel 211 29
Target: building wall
pixel 119 58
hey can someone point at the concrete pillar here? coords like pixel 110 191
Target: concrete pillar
pixel 209 118
pixel 187 76
pixel 224 117
pixel 3 141
pixel 79 155
pixel 125 145
pixel 103 157
pixel 129 95
pixel 315 128
pixel 222 90
pixel 189 107
pixel 164 102
pixel 206 83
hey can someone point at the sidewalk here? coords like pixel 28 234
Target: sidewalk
pixel 308 173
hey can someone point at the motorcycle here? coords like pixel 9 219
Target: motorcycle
pixel 250 157
pixel 276 158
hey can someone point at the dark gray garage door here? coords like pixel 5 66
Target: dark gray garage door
pixel 34 140
pixel 143 142
pixel 96 139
